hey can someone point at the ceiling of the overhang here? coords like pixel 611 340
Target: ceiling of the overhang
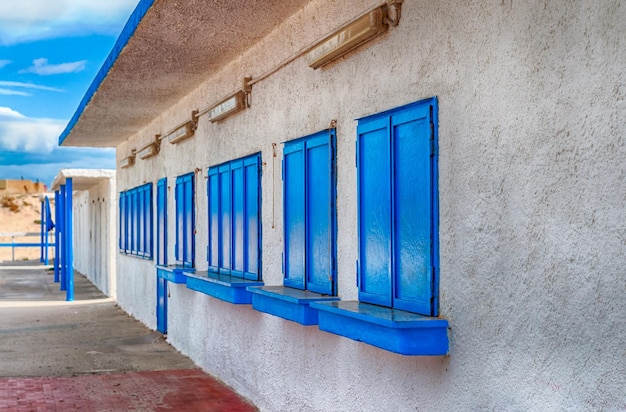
pixel 176 45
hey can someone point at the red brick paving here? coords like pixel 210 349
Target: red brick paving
pixel 171 390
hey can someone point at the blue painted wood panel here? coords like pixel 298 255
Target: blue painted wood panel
pixel 185 221
pixel 294 215
pixel 412 210
pixel 178 243
pixel 122 221
pixel 374 204
pixel 252 190
pixel 161 305
pixel 309 212
pixel 225 219
pixel 214 220
pixel 233 196
pixel 397 208
pixel 189 247
pixel 238 217
pixel 319 208
pixel 161 253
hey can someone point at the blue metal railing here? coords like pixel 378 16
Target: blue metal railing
pixel 21 243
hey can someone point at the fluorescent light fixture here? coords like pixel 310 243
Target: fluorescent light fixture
pixel 230 105
pixel 150 150
pixel 127 162
pixel 181 133
pixel 348 37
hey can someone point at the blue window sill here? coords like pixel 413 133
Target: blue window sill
pixel 174 273
pixel 288 303
pixel 225 287
pixel 390 329
pixel 145 257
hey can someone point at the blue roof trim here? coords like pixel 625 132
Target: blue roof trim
pixel 128 31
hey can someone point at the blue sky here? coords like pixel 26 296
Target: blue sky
pixel 50 51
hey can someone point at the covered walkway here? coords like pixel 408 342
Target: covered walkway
pixel 89 355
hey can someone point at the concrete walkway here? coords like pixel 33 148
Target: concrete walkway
pixel 88 355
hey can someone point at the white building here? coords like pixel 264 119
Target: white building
pixel 94 216
pixel 482 185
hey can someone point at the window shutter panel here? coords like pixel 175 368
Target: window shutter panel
pixel 294 214
pixel 374 211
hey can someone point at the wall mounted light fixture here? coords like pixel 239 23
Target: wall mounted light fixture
pixel 128 161
pixel 354 33
pixel 151 149
pixel 184 131
pixel 231 104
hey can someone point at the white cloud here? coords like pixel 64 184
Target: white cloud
pixel 43 68
pixel 4 63
pixel 21 133
pixel 8 112
pixel 4 83
pixel 9 92
pixel 22 21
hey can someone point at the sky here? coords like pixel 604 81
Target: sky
pixel 50 52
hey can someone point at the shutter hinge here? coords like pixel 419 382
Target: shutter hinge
pixel 356 154
pixel 282 175
pixel 357 273
pixel 282 258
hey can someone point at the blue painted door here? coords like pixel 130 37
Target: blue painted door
pixel 161 254
pixel 397 208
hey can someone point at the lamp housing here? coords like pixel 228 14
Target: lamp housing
pixel 348 37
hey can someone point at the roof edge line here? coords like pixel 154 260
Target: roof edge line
pixel 127 32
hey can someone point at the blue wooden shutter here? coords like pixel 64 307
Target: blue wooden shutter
pixel 180 208
pixel 126 222
pixel 161 253
pixel 309 213
pixel 294 214
pixel 135 224
pixel 225 218
pixel 122 219
pixel 233 198
pixel 320 211
pixel 213 192
pixel 189 243
pixel 238 215
pixel 150 224
pixel 141 221
pixel 413 268
pixel 397 190
pixel 251 219
pixel 374 211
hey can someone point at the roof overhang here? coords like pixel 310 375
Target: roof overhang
pixel 82 179
pixel 166 49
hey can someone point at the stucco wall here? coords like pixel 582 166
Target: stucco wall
pixel 532 117
pixel 95 214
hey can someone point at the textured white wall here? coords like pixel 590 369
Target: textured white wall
pixel 532 221
pixel 95 214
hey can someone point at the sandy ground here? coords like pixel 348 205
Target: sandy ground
pixel 25 219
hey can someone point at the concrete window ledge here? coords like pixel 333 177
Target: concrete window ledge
pixel 227 288
pixel 288 303
pixel 174 273
pixel 394 330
